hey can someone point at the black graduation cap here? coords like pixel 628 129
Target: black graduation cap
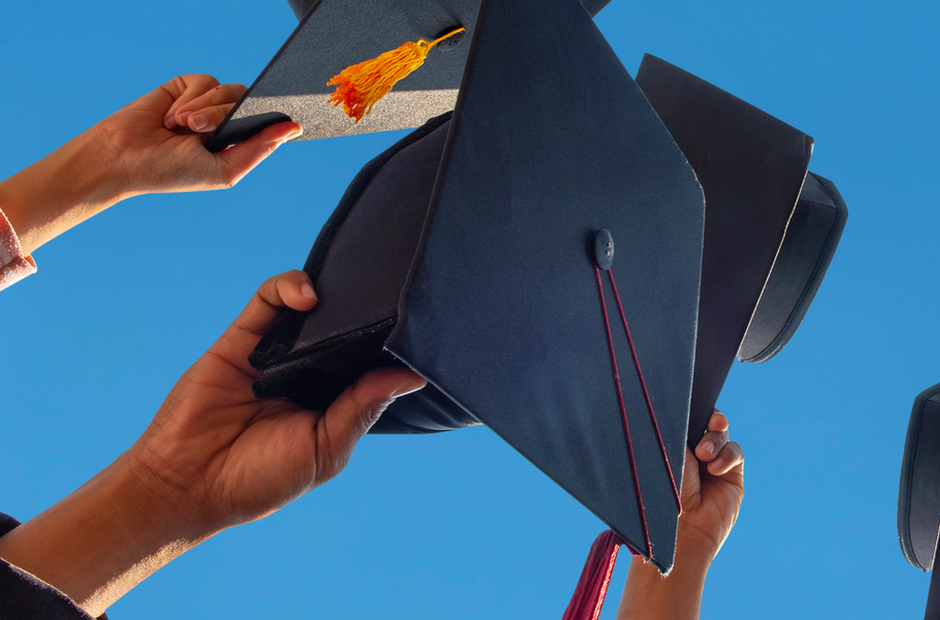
pixel 810 242
pixel 919 494
pixel 334 34
pixel 481 251
pixel 771 229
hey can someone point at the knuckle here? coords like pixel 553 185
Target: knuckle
pixel 357 397
pixel 372 407
pixel 295 276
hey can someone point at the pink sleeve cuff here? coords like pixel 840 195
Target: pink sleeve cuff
pixel 13 265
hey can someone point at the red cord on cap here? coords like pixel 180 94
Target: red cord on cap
pixel 649 403
pixel 623 411
pixel 588 598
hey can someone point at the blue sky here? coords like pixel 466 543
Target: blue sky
pixel 458 525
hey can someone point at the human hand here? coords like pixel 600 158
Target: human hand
pixel 156 142
pixel 224 457
pixel 213 457
pixel 712 489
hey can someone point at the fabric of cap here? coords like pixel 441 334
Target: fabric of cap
pixel 334 34
pixel 808 247
pixel 919 492
pixel 550 142
pixel 359 264
pixel 751 167
pixel 302 7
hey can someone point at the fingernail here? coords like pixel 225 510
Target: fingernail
pixel 181 117
pixel 409 387
pixel 169 122
pixel 709 448
pixel 198 122
pixel 295 134
pixel 307 291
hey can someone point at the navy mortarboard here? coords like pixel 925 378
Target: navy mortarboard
pixel 536 256
pixel 480 250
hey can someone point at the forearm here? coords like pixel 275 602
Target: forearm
pixel 103 539
pixel 61 190
pixel 647 595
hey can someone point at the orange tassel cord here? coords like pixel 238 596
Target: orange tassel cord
pixel 360 86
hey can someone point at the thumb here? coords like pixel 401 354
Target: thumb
pixel 238 160
pixel 354 412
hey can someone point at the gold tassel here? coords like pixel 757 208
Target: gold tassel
pixel 360 86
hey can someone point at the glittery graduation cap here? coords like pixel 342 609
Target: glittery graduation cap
pixel 481 251
pixel 336 35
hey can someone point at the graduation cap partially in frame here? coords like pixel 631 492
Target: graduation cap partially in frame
pixel 771 228
pixel 335 34
pixel 480 251
pixel 919 492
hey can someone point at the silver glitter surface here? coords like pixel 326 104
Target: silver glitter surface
pixel 397 110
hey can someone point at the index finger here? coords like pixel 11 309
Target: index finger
pixel 183 89
pixel 212 105
pixel 730 461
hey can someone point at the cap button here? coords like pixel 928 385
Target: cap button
pixel 604 249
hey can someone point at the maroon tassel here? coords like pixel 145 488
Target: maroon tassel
pixel 588 598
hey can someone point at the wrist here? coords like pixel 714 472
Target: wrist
pixel 153 513
pixel 169 495
pixel 698 547
pixel 688 571
pixel 648 595
pixel 63 189
pixel 102 540
pixel 91 171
